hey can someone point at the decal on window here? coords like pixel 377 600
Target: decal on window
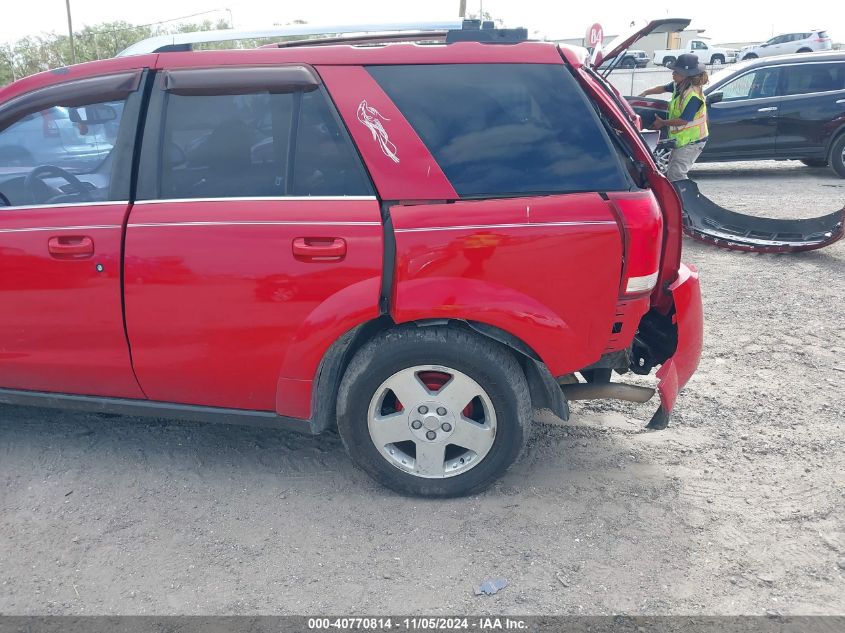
pixel 372 119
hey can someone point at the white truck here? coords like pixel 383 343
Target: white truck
pixel 707 53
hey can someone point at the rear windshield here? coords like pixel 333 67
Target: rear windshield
pixel 822 35
pixel 506 129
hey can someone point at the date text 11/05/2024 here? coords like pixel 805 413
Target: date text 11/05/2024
pixel 418 624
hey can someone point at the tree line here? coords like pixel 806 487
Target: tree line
pixel 36 53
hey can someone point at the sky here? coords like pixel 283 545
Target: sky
pixel 723 21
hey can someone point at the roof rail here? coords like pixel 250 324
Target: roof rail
pixel 185 41
pixel 365 39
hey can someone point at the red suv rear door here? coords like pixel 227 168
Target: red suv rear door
pixel 255 239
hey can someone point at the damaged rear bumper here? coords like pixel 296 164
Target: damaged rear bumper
pixel 706 221
pixel 673 340
pixel 687 317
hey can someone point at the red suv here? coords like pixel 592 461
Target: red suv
pixel 417 243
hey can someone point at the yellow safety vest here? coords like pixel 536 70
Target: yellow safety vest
pixel 696 129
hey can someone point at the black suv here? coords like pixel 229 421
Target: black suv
pixel 787 107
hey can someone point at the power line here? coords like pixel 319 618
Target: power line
pixel 143 26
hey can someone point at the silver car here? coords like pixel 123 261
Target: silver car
pixel 806 42
pixel 51 137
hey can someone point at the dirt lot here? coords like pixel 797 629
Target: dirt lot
pixel 737 508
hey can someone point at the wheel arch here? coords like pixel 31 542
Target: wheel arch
pixel 544 390
pixel 833 138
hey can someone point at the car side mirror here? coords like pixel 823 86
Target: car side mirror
pixel 715 97
pixel 763 45
pixel 93 114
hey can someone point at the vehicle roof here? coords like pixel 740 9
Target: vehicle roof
pixel 775 60
pixel 335 55
pixel 826 56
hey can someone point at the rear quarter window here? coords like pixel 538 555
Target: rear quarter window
pixel 506 129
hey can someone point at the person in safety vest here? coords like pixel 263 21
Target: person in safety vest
pixel 687 118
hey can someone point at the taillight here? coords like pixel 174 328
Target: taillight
pixel 642 221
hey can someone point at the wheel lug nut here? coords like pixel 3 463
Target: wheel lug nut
pixel 423 410
pixel 416 424
pixel 446 427
pixel 441 411
pixel 431 435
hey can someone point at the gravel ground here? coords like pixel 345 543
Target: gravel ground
pixel 736 508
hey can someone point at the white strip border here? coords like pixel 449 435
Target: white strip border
pixel 61 228
pixel 470 227
pixel 250 223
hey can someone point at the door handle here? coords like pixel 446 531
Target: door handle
pixel 319 248
pixel 772 109
pixel 71 247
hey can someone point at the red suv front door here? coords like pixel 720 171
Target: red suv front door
pixel 256 228
pixel 61 318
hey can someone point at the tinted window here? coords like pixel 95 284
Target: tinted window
pixel 325 162
pixel 808 78
pixel 754 85
pixel 505 128
pixel 76 140
pixel 225 146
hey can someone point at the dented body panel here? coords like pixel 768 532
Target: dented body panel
pixel 688 318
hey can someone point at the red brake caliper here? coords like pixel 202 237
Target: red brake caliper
pixel 435 380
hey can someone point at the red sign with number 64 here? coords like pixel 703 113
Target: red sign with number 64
pixel 595 35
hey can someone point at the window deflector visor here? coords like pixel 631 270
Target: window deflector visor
pixel 79 92
pixel 240 80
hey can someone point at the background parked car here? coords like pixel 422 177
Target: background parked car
pixel 631 59
pixel 706 52
pixel 50 137
pixel 805 42
pixel 783 108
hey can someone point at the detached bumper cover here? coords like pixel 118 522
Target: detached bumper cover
pixel 689 320
pixel 706 221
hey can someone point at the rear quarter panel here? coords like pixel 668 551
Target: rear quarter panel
pixel 544 269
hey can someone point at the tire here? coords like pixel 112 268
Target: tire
pixel 628 63
pixel 717 60
pixel 805 50
pixel 661 158
pixel 401 358
pixel 749 56
pixel 837 156
pixel 668 60
pixel 814 162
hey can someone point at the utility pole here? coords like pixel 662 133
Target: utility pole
pixel 70 34
pixel 462 9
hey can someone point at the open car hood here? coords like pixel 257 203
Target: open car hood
pixel 624 41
